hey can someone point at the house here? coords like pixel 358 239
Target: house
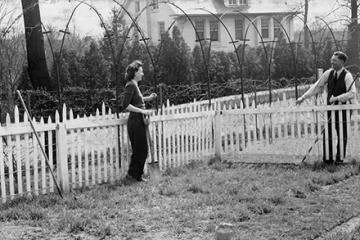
pixel 252 20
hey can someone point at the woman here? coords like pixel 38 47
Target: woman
pixel 134 102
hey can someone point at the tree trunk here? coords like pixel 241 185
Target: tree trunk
pixel 306 30
pixel 37 67
pixel 354 34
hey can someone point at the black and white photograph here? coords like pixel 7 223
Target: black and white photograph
pixel 179 120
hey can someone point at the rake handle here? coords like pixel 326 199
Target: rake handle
pixel 41 146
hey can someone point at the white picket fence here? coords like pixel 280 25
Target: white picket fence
pixel 90 150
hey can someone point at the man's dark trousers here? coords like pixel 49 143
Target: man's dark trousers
pixel 329 158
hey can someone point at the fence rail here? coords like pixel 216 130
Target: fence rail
pixel 90 150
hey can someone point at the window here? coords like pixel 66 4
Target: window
pixel 214 30
pixel 200 28
pixel 265 22
pixel 161 29
pixel 233 2
pixel 277 29
pixel 239 28
pixel 242 2
pixel 137 6
pixel 155 4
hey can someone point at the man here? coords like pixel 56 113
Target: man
pixel 340 88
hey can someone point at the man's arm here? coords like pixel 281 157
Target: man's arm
pixel 317 87
pixel 350 88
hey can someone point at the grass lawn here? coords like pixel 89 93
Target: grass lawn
pixel 261 201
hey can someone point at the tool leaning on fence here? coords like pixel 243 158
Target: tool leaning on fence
pixel 323 129
pixel 41 146
pixel 154 168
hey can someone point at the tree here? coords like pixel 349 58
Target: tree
pixel 306 30
pixel 353 30
pixel 198 72
pixel 182 51
pixel 37 66
pixel 62 68
pixel 96 68
pixel 354 34
pixel 12 52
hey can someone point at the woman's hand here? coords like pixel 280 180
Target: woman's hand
pixel 147 112
pixel 153 96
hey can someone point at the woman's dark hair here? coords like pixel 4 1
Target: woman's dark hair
pixel 131 69
pixel 340 55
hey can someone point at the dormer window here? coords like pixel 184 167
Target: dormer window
pixel 155 4
pixel 232 2
pixel 235 3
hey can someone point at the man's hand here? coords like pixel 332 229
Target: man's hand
pixel 333 99
pixel 299 100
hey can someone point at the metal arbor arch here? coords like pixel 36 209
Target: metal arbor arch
pixel 312 41
pixel 65 32
pixel 232 41
pixel 252 23
pixel 291 48
pixel 331 32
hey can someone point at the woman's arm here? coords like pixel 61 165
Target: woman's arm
pixel 132 108
pixel 150 97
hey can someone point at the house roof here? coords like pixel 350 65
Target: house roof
pixel 192 7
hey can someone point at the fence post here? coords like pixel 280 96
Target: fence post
pixel 61 157
pixel 217 132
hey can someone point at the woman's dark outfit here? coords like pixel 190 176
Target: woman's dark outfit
pixel 136 130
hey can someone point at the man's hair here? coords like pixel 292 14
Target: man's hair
pixel 131 69
pixel 340 55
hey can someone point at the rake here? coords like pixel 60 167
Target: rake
pixel 41 146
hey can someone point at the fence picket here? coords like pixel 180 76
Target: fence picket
pixel 178 144
pixel 50 156
pixel 111 154
pixel 92 150
pixel 27 163
pixel 341 135
pixel 10 159
pixel 42 159
pixel 79 158
pixel 332 138
pixel 2 172
pixel 117 150
pixel 105 160
pixel 18 155
pixel 186 141
pixel 86 157
pixel 35 162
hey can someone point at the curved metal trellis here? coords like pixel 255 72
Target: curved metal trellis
pixel 292 51
pixel 232 41
pixel 312 41
pixel 66 32
pixel 201 47
pixel 252 23
pixel 331 32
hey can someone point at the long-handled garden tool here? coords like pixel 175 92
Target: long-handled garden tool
pixel 154 169
pixel 323 129
pixel 41 146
